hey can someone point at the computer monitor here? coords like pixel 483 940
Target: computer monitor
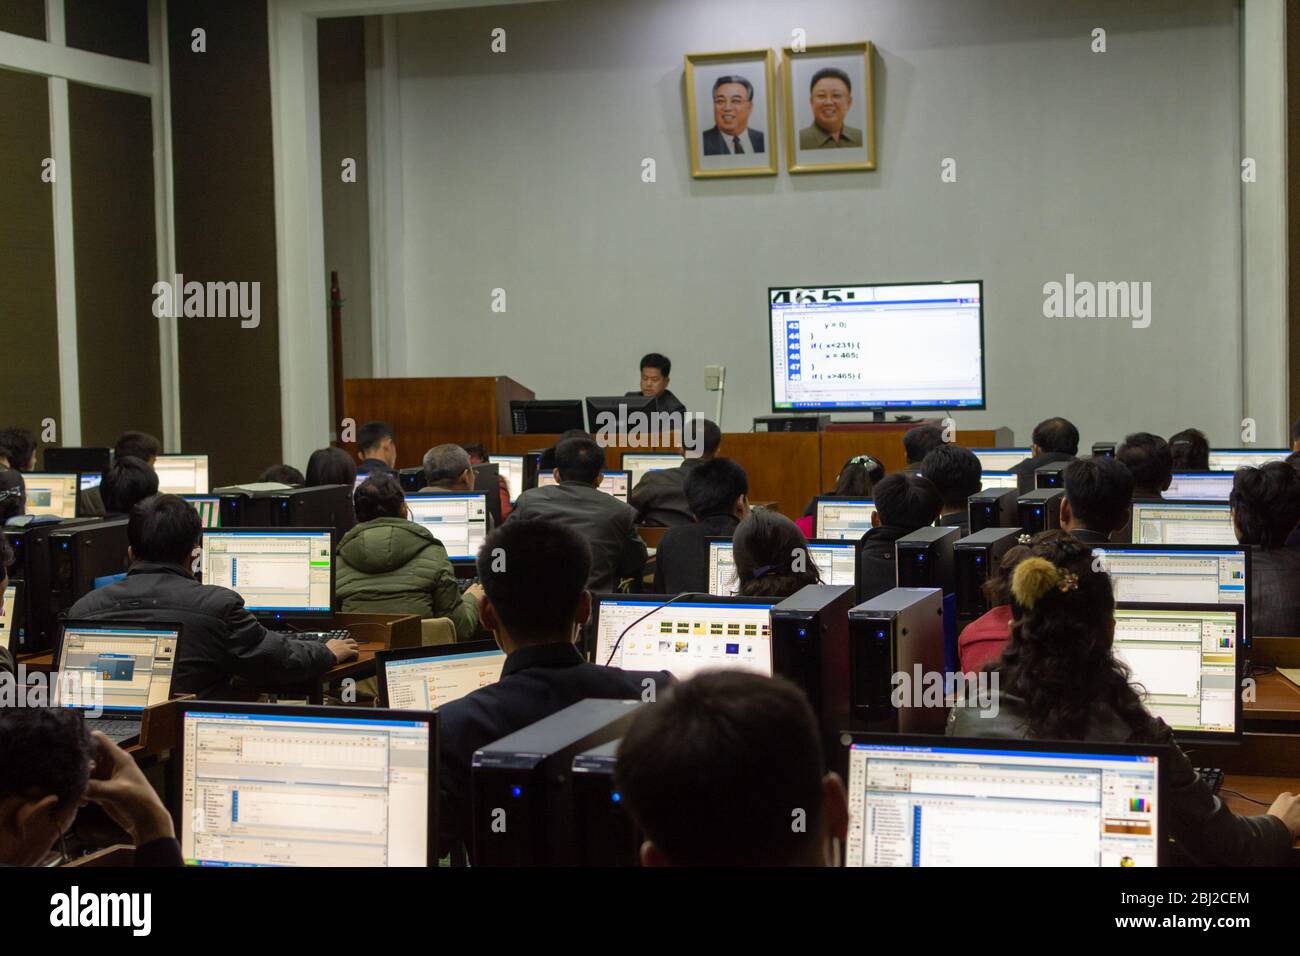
pixel 1182 522
pixel 1185 662
pixel 116 666
pixel 842 519
pixel 1001 459
pixel 182 474
pixel 91 479
pixel 1200 485
pixel 644 632
pixel 277 785
pixel 637 463
pixel 836 560
pixel 545 417
pixel 1177 574
pixel 945 801
pixel 425 678
pixel 546 478
pixel 78 459
pixel 208 507
pixel 458 520
pixel 615 483
pixel 991 480
pixel 280 573
pixel 611 412
pixel 859 346
pixel 9 605
pixel 52 493
pixel 511 468
pixel 1230 459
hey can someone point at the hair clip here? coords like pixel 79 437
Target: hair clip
pixel 1069 581
pixel 1024 539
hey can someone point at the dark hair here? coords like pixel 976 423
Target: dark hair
pixel 476 450
pixel 722 81
pixel 1057 435
pixel 1266 503
pixel 905 500
pixel 372 434
pixel 997 586
pixel 1293 460
pixel 712 437
pixel 284 474
pixel 44 751
pixel 1100 492
pixel 713 772
pixel 546 462
pixel 1189 450
pixel 579 459
pixel 956 473
pixel 140 445
pixel 661 362
pixel 534 571
pixel 18 445
pixel 164 529
pixel 1059 658
pixel 832 73
pixel 771 555
pixel 858 477
pixel 379 496
pixel 1148 458
pixel 713 486
pixel 330 466
pixel 920 441
pixel 129 481
pixel 11 504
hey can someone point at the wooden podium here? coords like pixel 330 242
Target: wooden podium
pixel 424 412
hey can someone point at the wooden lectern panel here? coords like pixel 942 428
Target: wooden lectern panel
pixel 885 443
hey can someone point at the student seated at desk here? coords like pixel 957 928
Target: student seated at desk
pixel 221 640
pixel 1054 440
pixel 50 766
pixel 478 456
pixel 17 449
pixel 856 480
pixel 710 774
pixel 1265 509
pixel 377 448
pixel 284 475
pixel 330 466
pixel 919 442
pixel 577 502
pixel 771 556
pixel 1059 681
pixel 388 564
pixel 983 640
pixel 717 491
pixel 534 574
pixel 13 494
pixel 1150 461
pixel 1098 499
pixel 1189 450
pixel 130 444
pixel 126 484
pixel 905 502
pixel 660 496
pixel 956 474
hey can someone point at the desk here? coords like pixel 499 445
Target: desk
pixel 1276 700
pixel 363 665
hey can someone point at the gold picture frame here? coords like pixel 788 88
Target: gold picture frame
pixel 711 156
pixel 800 155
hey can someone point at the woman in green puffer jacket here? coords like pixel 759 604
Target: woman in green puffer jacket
pixel 390 565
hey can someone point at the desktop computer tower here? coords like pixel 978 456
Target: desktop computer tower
pixel 899 632
pixel 523 812
pixel 1104 449
pixel 605 834
pixel 1050 476
pixel 33 566
pixel 1040 509
pixel 810 647
pixel 81 555
pixel 924 558
pixel 411 479
pixel 975 557
pixel 995 508
pixel 322 506
pixel 240 509
pixel 532 462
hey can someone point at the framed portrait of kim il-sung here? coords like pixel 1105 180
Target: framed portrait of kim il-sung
pixel 829 112
pixel 731 113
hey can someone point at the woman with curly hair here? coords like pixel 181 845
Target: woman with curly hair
pixel 1058 680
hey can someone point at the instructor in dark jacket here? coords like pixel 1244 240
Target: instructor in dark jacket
pixel 224 651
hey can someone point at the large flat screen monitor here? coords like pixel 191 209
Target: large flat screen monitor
pixel 840 348
pixel 642 632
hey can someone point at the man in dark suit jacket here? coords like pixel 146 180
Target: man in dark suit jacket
pixel 1098 498
pixel 533 574
pixel 717 491
pixel 955 472
pixel 577 502
pixel 1055 439
pixel 904 503
pixel 733 101
pixel 660 496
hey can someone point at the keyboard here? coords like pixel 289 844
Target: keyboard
pixel 320 637
pixel 118 731
pixel 1212 776
pixel 464 584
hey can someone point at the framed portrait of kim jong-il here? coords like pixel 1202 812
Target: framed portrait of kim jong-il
pixel 731 113
pixel 829 112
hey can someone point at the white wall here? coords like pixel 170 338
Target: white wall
pixel 522 171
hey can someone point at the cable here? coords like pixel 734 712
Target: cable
pixel 1244 797
pixel 654 610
